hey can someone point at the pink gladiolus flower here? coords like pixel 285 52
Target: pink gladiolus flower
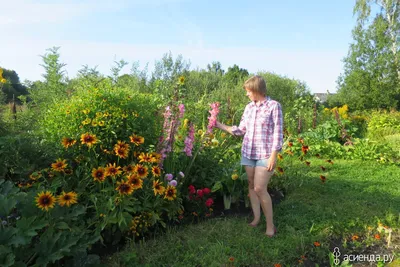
pixel 212 120
pixel 189 141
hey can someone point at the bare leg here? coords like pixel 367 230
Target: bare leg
pixel 255 202
pixel 261 180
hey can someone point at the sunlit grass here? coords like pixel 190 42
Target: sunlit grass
pixel 355 196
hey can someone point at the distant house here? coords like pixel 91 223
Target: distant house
pixel 321 97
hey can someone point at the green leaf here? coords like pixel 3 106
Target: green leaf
pixel 62 226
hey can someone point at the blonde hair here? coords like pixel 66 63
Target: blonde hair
pixel 256 84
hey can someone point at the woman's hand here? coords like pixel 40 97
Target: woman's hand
pixel 272 162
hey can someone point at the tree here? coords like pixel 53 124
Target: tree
pixel 54 86
pixel 371 71
pixel 235 74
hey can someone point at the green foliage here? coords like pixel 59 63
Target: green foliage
pixel 54 87
pixel 371 77
pixel 12 88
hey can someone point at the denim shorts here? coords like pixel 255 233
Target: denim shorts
pixel 254 162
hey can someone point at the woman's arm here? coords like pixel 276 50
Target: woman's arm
pixel 224 127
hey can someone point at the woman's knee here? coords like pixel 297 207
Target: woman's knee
pixel 260 190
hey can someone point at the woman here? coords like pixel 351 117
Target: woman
pixel 262 127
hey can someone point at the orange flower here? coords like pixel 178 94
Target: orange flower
pixel 308 163
pixel 135 181
pixel 329 161
pixel 141 170
pixel 289 152
pixel 113 170
pixel 377 236
pixel 145 157
pixel 290 144
pixel 156 171
pixel 128 169
pixel 304 149
pixel 277 265
pixel 280 170
pixel 124 188
pixel 322 168
pixel 317 244
pixel 355 237
pixel 88 139
pixel 231 259
pixel 136 139
pixel 98 174
pixel 280 157
pixel 59 165
pixel 323 178
pixel 121 149
pixel 317 155
pixel 67 142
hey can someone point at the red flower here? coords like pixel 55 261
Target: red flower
pixel 192 190
pixel 317 155
pixel 323 178
pixel 206 191
pixel 323 168
pixel 209 202
pixel 329 161
pixel 200 193
pixel 308 163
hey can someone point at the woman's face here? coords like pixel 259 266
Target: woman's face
pixel 253 96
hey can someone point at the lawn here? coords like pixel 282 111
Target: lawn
pixel 313 218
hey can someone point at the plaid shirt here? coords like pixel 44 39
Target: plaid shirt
pixel 262 129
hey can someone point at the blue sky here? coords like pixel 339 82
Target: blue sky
pixel 305 40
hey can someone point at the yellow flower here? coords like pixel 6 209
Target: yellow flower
pixel 35 175
pixel 181 80
pixel 156 171
pixel 88 139
pixel 185 122
pixel 113 170
pixel 135 181
pixel 86 121
pixel 124 188
pixel 94 123
pixel 101 123
pixel 99 174
pixel 86 111
pixel 158 188
pixel 67 199
pixel 45 200
pixel 145 157
pixel 124 116
pixel 170 193
pixel 121 149
pixel 3 80
pixel 67 142
pixel 136 139
pixel 235 176
pixel 141 170
pixel 59 165
pixel 99 114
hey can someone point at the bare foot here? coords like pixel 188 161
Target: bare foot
pixel 254 223
pixel 271 234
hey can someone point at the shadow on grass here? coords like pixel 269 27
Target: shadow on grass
pixel 355 196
